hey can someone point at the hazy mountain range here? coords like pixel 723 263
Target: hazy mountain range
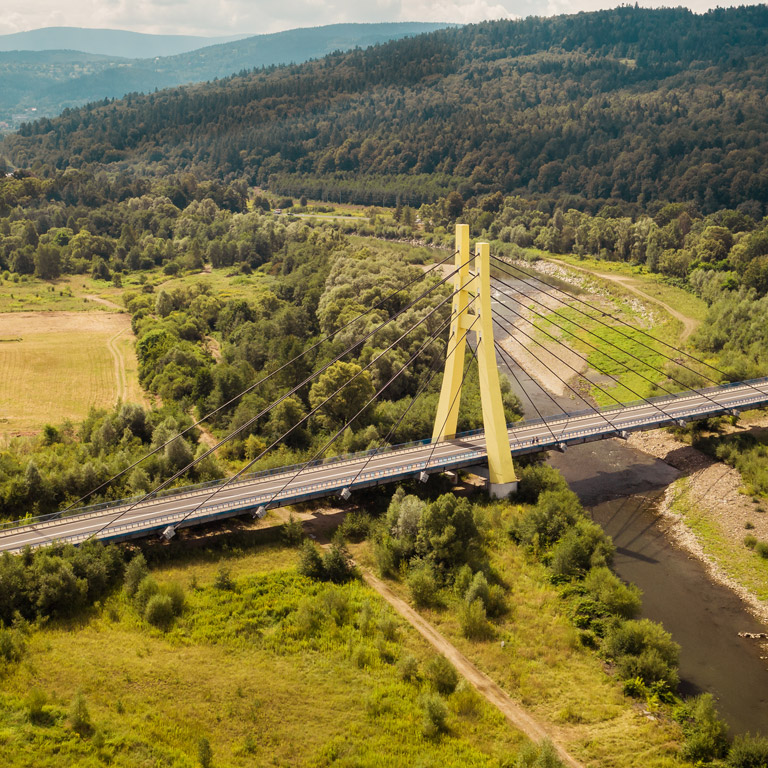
pixel 107 42
pixel 67 67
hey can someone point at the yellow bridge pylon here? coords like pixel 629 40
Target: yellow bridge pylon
pixel 474 285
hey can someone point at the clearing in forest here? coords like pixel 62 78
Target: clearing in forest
pixel 56 365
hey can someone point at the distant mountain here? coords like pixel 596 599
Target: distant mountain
pixel 107 42
pixel 43 83
pixel 635 104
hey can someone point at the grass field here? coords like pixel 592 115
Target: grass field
pixel 650 283
pixel 71 293
pixel 221 283
pixel 56 365
pixel 666 313
pixel 741 564
pixel 275 671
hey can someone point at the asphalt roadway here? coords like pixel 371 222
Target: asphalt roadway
pixel 195 506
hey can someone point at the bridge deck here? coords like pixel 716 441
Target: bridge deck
pixel 390 466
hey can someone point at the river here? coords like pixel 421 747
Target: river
pixel 621 487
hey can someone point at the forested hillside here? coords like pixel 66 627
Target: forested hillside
pixel 40 83
pixel 631 104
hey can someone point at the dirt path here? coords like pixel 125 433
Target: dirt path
pixel 630 284
pixel 121 378
pixel 105 302
pixel 514 713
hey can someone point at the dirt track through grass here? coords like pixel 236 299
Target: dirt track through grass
pixel 493 693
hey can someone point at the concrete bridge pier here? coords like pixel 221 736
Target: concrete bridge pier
pixel 496 490
pixel 502 490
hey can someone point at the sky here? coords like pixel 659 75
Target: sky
pixel 230 17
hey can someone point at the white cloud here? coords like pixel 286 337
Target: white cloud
pixel 222 17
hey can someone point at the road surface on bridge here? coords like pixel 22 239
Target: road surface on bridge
pixel 288 485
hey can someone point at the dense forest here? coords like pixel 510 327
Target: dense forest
pixel 630 104
pixel 38 83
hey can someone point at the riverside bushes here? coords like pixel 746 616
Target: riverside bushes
pixel 643 649
pixel 706 736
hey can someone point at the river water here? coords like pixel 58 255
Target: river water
pixel 621 487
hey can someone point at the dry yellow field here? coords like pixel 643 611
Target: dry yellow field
pixel 56 365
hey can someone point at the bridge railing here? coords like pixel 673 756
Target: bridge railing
pixel 188 490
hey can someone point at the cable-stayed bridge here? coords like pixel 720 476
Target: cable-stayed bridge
pixel 165 509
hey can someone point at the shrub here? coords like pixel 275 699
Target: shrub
pixel 79 717
pixel 706 736
pixel 555 512
pixel 355 526
pixel 583 546
pixel 748 752
pixel 749 526
pixel 423 586
pixel 309 618
pixel 408 668
pixel 478 590
pixel 474 621
pixel 292 531
pixel 337 564
pixel 643 649
pixel 497 601
pixel 388 627
pixel 147 589
pixel 176 593
pixel 750 541
pixel 311 562
pixel 610 592
pixel 11 645
pixel 441 673
pixel 36 702
pixel 635 688
pixel 447 533
pixel 135 572
pixel 541 756
pixel 336 605
pixel 435 716
pixel 159 611
pixel 535 479
pixel 465 700
pixel 462 580
pixel 365 618
pixel 762 549
pixel 224 580
pixel 204 752
pixel 386 551
pixel 650 666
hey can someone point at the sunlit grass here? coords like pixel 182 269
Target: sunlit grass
pixel 245 669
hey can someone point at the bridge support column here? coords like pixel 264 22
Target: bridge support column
pixel 476 285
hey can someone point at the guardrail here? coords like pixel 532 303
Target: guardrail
pixel 519 445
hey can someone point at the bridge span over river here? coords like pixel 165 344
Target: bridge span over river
pixel 342 475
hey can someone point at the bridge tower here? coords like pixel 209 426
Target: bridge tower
pixel 475 285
